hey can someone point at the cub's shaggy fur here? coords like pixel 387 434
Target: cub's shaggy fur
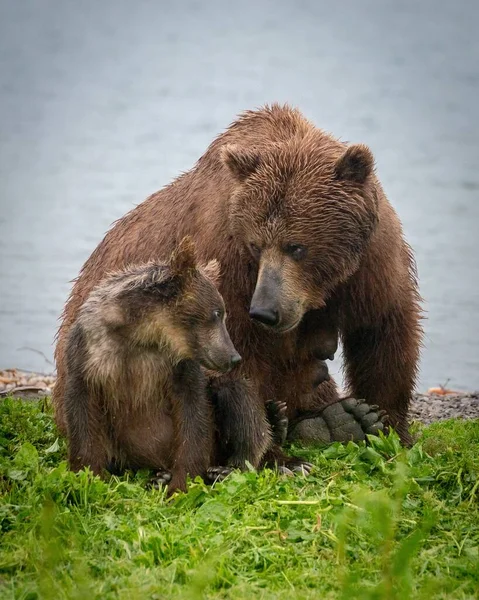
pixel 135 393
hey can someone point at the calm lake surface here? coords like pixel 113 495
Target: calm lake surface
pixel 102 103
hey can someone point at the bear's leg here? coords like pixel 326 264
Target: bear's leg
pixel 243 433
pixel 88 441
pixel 381 364
pixel 85 421
pixel 192 416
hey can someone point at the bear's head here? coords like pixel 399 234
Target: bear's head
pixel 175 307
pixel 304 210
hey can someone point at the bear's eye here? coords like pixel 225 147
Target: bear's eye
pixel 218 314
pixel 296 251
pixel 255 250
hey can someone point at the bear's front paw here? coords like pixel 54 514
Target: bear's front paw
pixel 344 421
pixel 161 479
pixel 214 474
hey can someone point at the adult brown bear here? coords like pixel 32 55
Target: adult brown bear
pixel 308 245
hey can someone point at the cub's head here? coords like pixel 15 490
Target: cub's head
pixel 304 211
pixel 177 307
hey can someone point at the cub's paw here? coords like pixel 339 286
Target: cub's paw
pixel 344 421
pixel 160 480
pixel 276 413
pixel 214 474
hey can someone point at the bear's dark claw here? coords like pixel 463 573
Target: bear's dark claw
pixel 282 470
pixel 293 466
pixel 304 468
pixel 214 474
pixel 161 479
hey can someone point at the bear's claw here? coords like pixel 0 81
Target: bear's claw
pixel 282 470
pixel 295 467
pixel 161 479
pixel 304 468
pixel 217 473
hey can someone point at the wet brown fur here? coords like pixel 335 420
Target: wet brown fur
pixel 135 394
pixel 270 179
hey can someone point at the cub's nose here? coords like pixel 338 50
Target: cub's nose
pixel 267 316
pixel 235 359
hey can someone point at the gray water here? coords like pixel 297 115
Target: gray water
pixel 103 103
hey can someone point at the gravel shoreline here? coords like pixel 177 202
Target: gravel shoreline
pixel 426 408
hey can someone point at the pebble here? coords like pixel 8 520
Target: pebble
pixel 41 384
pixel 430 408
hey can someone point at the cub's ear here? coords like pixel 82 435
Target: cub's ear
pixel 183 259
pixel 356 164
pixel 112 315
pixel 212 270
pixel 241 162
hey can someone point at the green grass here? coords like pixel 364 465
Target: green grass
pixel 371 522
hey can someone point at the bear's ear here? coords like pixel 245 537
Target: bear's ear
pixel 212 270
pixel 241 162
pixel 183 259
pixel 356 164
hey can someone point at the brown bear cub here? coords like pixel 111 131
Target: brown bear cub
pixel 136 389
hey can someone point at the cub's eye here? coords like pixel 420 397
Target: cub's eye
pixel 255 250
pixel 296 251
pixel 218 314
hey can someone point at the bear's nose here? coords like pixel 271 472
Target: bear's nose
pixel 267 316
